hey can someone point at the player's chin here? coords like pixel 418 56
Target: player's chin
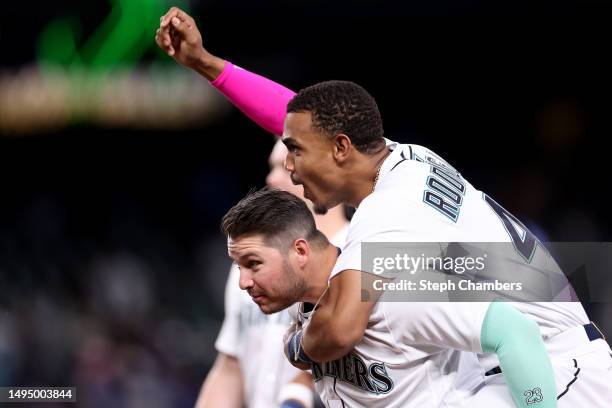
pixel 317 206
pixel 267 308
pixel 320 209
pixel 273 307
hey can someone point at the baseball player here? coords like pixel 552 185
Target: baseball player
pixel 345 159
pixel 414 195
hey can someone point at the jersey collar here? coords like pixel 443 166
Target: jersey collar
pixel 397 155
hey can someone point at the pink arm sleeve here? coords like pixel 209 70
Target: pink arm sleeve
pixel 261 99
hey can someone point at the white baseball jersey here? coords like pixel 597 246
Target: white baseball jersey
pixel 409 356
pixel 256 340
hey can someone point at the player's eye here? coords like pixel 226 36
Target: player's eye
pixel 253 264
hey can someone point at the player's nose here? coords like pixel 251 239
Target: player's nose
pixel 245 281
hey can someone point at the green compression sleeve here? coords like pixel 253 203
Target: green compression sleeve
pixel 523 359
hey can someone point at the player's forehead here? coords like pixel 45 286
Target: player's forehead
pixel 298 128
pixel 247 245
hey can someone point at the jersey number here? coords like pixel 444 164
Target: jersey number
pixel 533 396
pixel 524 241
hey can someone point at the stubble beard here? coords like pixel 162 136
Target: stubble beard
pixel 294 289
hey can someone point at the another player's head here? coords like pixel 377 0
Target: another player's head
pixel 328 127
pixel 271 236
pixel 278 177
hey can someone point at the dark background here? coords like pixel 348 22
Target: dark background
pixel 111 264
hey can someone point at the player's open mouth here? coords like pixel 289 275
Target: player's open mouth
pixel 294 179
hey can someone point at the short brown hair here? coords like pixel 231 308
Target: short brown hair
pixel 279 216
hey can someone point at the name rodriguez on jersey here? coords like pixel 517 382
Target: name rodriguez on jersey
pixel 449 285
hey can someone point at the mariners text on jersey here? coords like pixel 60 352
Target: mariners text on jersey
pixel 352 370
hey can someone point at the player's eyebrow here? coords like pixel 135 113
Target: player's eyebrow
pixel 288 141
pixel 247 255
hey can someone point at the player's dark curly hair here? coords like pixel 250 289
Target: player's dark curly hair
pixel 279 216
pixel 342 107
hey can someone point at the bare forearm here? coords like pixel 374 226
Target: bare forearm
pixel 340 323
pixel 223 385
pixel 209 66
pixel 326 340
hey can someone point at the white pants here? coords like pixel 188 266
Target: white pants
pixel 583 374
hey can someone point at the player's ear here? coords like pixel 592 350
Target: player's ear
pixel 301 251
pixel 342 147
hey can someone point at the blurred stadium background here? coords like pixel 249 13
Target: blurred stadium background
pixel 116 164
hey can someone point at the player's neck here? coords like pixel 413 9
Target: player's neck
pixel 319 271
pixel 365 175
